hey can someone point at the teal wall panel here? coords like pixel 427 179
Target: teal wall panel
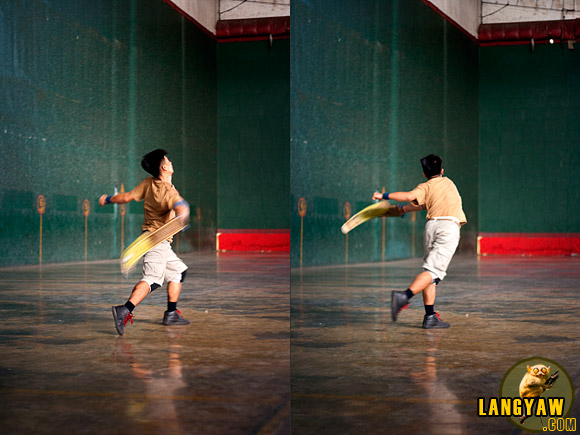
pixel 529 139
pixel 254 135
pixel 87 88
pixel 375 86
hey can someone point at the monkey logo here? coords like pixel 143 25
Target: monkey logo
pixel 536 380
pixel 536 394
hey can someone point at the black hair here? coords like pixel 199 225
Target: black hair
pixel 431 165
pixel 152 161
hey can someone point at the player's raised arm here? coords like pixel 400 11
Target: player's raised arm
pixel 119 198
pixel 400 196
pixel 396 196
pixel 182 210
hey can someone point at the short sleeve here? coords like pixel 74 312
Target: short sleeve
pixel 139 191
pixel 420 193
pixel 173 198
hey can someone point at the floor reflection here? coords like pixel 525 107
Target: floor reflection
pixel 440 400
pixel 156 408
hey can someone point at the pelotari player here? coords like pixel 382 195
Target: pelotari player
pixel 445 216
pixel 162 203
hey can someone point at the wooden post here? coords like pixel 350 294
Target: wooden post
pixel 86 211
pixel 383 234
pixel 41 208
pixel 122 210
pixel 302 212
pixel 347 211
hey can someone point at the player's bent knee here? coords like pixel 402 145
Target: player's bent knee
pixel 434 279
pixel 183 275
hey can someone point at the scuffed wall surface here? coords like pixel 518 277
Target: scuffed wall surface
pixel 87 88
pixel 375 86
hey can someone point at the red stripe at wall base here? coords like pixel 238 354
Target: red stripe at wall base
pixel 529 244
pixel 253 240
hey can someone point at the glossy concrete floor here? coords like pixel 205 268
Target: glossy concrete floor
pixel 64 369
pixel 354 371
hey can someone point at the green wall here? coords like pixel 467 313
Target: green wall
pixel 375 86
pixel 86 88
pixel 254 135
pixel 529 139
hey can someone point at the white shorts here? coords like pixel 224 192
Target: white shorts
pixel 161 264
pixel 440 242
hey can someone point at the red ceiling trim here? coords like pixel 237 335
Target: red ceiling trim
pixel 256 29
pixel 253 29
pixel 518 33
pixel 523 33
pixel 251 38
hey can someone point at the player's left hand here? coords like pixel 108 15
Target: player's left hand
pixel 377 195
pixel 402 208
pixel 103 200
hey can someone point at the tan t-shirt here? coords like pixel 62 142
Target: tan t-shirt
pixel 160 198
pixel 441 198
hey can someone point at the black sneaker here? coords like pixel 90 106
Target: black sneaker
pixel 174 318
pixel 122 315
pixel 433 321
pixel 399 301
